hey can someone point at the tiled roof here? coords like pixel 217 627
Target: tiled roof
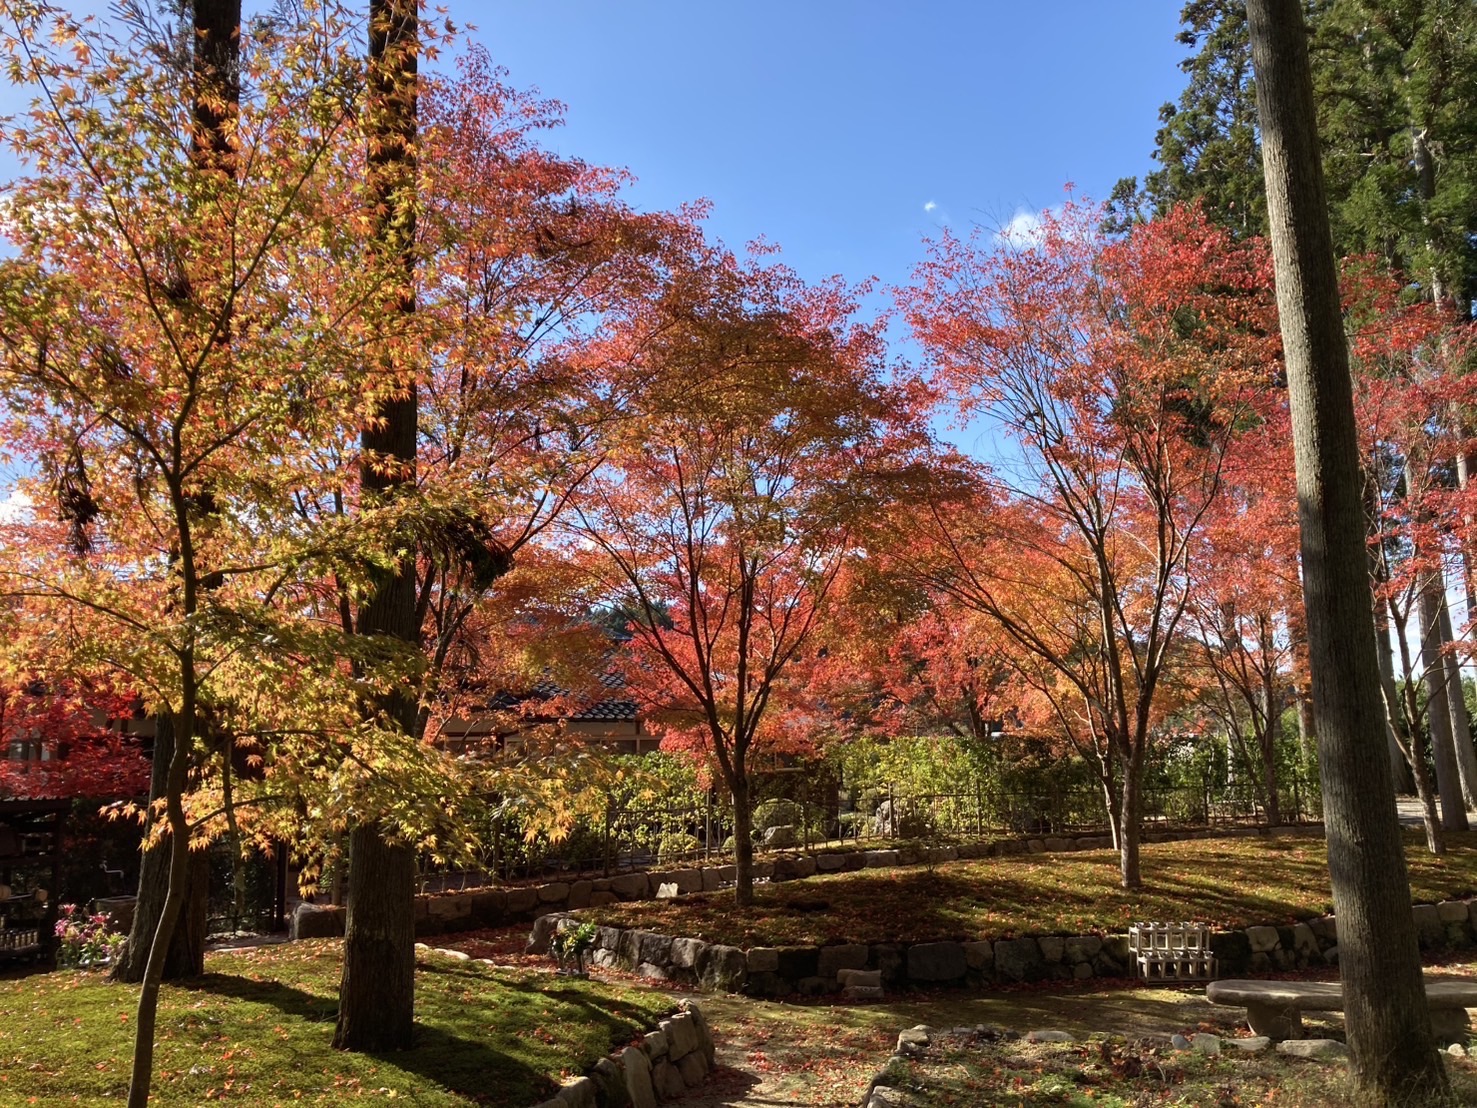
pixel 605 709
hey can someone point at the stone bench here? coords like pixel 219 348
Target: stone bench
pixel 1274 1008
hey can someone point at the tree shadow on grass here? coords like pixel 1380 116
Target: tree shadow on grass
pixel 287 999
pixel 471 1068
pixel 443 1057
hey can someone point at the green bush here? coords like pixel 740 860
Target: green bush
pixel 777 813
pixel 677 845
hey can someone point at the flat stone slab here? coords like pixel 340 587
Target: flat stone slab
pixel 1274 1008
pixel 1326 996
pixel 1314 1048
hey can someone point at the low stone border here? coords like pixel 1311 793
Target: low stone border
pixel 1451 923
pixel 669 1061
pixel 822 970
pixel 445 913
pixel 815 971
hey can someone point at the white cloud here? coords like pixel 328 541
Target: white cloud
pixel 930 206
pixel 1023 229
pixel 16 507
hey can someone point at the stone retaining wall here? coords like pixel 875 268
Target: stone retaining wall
pixel 445 913
pixel 669 1061
pixel 820 970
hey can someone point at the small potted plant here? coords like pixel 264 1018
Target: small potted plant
pixel 570 943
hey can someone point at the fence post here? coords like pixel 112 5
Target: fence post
pixel 605 839
pixel 708 827
pixel 892 809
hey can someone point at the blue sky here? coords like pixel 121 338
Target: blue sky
pixel 843 132
pixel 827 126
pixel 846 132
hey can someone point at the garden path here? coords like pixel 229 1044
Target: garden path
pixel 823 1055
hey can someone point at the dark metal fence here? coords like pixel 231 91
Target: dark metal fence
pixel 984 812
pixel 650 836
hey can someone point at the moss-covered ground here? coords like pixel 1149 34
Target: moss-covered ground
pixel 1222 882
pixel 255 1030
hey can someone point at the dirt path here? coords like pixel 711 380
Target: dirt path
pixel 823 1056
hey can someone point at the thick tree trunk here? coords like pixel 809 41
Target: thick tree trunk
pixel 743 840
pixel 186 952
pixel 376 992
pixel 1395 1059
pixel 1461 721
pixel 1438 710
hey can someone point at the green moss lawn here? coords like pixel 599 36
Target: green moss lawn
pixel 1222 882
pixel 1112 1073
pixel 255 1031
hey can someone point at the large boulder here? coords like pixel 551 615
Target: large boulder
pixel 317 921
pixel 637 1068
pixel 722 968
pixel 631 886
pixel 833 959
pixel 1019 960
pixel 781 837
pixel 936 962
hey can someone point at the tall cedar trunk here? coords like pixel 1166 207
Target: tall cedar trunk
pixel 1461 721
pixel 377 990
pixel 186 952
pixel 1438 710
pixel 1464 466
pixel 1399 768
pixel 743 838
pixel 1389 1026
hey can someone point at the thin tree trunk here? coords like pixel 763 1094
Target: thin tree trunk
pixel 1267 729
pixel 1438 710
pixel 1408 727
pixel 743 839
pixel 1113 803
pixel 1131 822
pixel 186 954
pixel 1389 1025
pixel 1268 747
pixel 1461 722
pixel 146 1017
pixel 1399 768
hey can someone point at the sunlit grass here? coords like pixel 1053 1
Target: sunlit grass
pixel 1222 882
pixel 256 1028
